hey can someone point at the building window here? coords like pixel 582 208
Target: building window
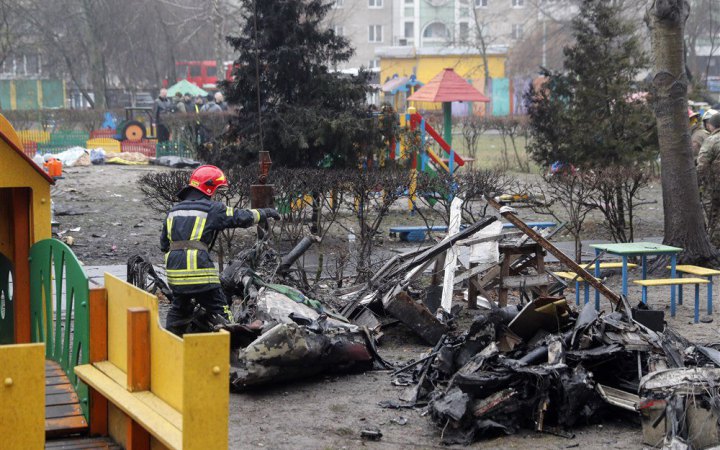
pixel 481 3
pixel 374 64
pixel 518 3
pixel 338 30
pixel 409 30
pixel 436 30
pixel 517 31
pixel 338 3
pixel 463 32
pixel 375 33
pixel 375 3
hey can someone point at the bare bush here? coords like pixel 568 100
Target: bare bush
pixel 511 130
pixel 473 127
pixel 569 192
pixel 617 195
pixel 372 194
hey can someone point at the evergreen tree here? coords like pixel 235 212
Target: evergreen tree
pixel 594 112
pixel 309 113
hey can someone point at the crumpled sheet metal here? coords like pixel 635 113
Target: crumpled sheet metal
pixel 289 351
pixel 550 381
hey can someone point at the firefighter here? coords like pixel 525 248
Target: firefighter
pixel 188 233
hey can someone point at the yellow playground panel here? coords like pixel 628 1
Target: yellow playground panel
pixel 22 396
pixel 108 144
pixel 184 402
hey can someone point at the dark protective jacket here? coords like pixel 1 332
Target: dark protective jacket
pixel 188 232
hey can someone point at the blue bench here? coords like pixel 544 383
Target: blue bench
pixel 419 233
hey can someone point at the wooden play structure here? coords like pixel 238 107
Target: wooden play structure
pixel 80 367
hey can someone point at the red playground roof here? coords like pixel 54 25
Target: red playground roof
pixel 447 86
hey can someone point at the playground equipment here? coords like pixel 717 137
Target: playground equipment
pixel 109 369
pixel 448 87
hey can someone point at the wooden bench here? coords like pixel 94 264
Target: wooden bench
pixel 149 388
pixel 572 276
pixel 698 272
pixel 674 282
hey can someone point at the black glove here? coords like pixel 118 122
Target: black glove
pixel 271 213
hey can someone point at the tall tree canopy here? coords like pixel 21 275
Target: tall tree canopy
pixel 594 112
pixel 309 113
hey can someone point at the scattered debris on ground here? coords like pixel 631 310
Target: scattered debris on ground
pixel 540 364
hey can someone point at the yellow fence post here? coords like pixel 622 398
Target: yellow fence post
pixel 206 390
pixel 22 396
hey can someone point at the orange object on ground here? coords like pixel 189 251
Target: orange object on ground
pixel 54 168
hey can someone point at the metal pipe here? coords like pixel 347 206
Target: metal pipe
pixel 302 246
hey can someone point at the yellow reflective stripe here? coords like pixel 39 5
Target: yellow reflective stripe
pixel 211 280
pixel 201 228
pixel 256 215
pixel 169 228
pixel 230 211
pixel 166 258
pixel 194 259
pixel 194 230
pixel 198 228
pixel 182 272
pixel 188 259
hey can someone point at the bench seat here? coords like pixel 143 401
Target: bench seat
pixel 153 414
pixel 675 282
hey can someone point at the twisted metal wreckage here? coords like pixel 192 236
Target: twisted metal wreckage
pixel 566 367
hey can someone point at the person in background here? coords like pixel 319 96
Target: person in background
pixel 179 103
pixel 163 105
pixel 189 104
pixel 220 101
pixel 697 132
pixel 211 106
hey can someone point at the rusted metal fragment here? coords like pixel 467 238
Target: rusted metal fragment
pixel 417 317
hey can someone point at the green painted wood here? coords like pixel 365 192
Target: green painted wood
pixel 59 294
pixel 7 311
pixel 637 248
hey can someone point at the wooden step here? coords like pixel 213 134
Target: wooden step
pixel 82 443
pixel 63 413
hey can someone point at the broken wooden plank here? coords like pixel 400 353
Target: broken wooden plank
pixel 417 317
pixel 544 243
pixel 522 281
pixel 452 254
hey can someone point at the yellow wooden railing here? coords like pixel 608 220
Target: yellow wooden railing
pixel 147 386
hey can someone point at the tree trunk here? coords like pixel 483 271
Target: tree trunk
pixel 684 222
pixel 219 39
pixel 95 57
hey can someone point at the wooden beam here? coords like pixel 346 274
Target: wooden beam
pixel 137 437
pixel 138 349
pixel 544 243
pixel 98 325
pixel 98 413
pixel 451 255
pixel 22 239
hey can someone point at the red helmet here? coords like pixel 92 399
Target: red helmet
pixel 207 179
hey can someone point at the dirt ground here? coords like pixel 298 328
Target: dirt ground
pixel 105 203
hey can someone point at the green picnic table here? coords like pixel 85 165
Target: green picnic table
pixel 643 250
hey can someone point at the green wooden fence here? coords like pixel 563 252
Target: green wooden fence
pixel 59 311
pixel 7 315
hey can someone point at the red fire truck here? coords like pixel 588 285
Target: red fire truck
pixel 201 73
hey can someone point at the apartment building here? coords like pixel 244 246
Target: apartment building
pixel 368 24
